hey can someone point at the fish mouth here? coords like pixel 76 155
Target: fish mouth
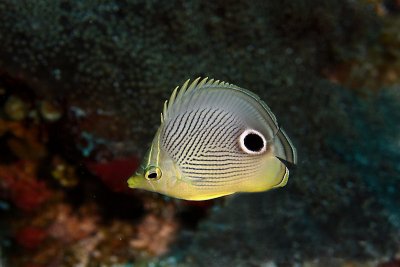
pixel 133 181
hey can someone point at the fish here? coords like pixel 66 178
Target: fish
pixel 215 139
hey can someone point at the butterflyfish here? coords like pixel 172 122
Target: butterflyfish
pixel 215 139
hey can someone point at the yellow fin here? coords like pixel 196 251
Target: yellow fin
pixel 208 196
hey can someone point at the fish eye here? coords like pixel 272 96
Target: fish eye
pixel 152 173
pixel 252 142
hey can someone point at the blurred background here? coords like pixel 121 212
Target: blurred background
pixel 82 85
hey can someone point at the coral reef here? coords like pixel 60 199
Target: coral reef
pixel 156 234
pixel 52 216
pixel 81 88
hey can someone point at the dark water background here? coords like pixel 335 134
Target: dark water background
pixel 82 85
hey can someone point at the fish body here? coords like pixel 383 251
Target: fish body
pixel 215 139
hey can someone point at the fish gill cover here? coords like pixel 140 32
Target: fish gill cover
pixel 328 69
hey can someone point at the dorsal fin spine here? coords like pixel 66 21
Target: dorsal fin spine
pixel 165 110
pixel 202 82
pixel 188 87
pixel 210 81
pixel 173 96
pixel 183 89
pixel 193 85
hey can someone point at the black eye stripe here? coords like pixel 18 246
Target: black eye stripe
pixel 152 175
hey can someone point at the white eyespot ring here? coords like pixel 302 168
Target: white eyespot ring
pixel 252 142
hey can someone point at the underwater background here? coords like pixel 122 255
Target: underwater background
pixel 82 84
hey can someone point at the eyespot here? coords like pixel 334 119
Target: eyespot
pixel 152 173
pixel 252 142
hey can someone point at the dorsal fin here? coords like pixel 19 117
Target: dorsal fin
pixel 187 88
